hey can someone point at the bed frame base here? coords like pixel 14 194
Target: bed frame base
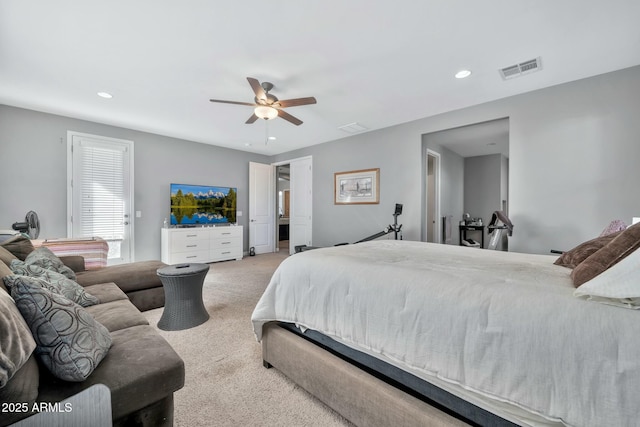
pixel 356 395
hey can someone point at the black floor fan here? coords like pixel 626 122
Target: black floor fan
pixel 30 226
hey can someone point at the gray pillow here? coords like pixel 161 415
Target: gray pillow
pixel 70 342
pixel 44 258
pixel 16 342
pixel 55 282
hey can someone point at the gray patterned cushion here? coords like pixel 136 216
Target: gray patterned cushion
pixel 70 342
pixel 55 282
pixel 44 258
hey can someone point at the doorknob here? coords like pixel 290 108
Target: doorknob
pixel 126 223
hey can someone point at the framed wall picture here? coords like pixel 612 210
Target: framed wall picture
pixel 357 187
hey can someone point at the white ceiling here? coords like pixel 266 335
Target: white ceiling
pixel 377 63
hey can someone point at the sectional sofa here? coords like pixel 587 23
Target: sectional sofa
pixel 139 367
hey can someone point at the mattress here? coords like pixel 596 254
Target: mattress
pixel 501 330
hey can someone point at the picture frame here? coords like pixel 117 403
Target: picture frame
pixel 357 187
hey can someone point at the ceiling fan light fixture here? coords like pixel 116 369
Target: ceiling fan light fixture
pixel 266 112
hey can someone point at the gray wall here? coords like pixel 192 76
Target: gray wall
pixel 34 170
pixel 482 189
pixel 572 165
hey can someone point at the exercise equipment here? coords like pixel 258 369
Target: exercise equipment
pixel 499 225
pixel 395 228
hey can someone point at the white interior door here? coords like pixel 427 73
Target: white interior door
pixel 100 194
pixel 300 220
pixel 262 209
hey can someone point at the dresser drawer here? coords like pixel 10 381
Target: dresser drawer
pixel 226 232
pixel 194 256
pixel 220 253
pixel 180 245
pixel 178 236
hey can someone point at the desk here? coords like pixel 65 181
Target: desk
pixel 465 228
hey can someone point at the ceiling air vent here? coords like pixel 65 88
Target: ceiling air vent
pixel 352 128
pixel 522 68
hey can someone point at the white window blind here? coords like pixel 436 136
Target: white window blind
pixel 102 199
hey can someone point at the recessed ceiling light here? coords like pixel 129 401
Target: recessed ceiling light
pixel 106 95
pixel 272 138
pixel 463 74
pixel 248 144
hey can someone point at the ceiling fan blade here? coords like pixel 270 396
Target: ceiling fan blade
pixel 257 88
pixel 251 119
pixel 288 117
pixel 296 102
pixel 234 102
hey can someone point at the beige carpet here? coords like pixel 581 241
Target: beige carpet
pixel 226 384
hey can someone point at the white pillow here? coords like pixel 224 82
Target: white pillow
pixel 618 285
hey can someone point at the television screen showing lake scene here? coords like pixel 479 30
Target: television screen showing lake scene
pixel 202 205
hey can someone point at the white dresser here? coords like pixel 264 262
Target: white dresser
pixel 208 244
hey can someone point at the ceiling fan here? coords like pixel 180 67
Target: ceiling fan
pixel 268 106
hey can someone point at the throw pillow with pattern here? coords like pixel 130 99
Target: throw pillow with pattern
pixel 69 341
pixel 53 281
pixel 43 257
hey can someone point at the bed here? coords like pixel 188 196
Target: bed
pixel 410 333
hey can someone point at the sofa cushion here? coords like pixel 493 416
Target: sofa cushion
pixel 116 315
pixel 106 292
pixel 22 389
pixel 4 271
pixel 129 277
pixel 53 281
pixel 6 257
pixel 18 245
pixel 43 257
pixel 16 342
pixel 141 368
pixel 74 262
pixel 70 342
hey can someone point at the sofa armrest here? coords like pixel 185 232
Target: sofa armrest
pixel 74 262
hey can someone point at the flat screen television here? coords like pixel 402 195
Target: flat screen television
pixel 193 205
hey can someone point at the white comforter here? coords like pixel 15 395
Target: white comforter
pixel 504 326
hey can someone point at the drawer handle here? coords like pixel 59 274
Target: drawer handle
pixel 192 246
pixel 225 253
pixel 192 235
pixel 192 256
pixel 225 243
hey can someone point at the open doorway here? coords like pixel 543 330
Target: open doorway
pixel 474 167
pixel 433 197
pixel 283 191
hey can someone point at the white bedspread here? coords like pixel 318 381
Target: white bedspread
pixel 503 325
